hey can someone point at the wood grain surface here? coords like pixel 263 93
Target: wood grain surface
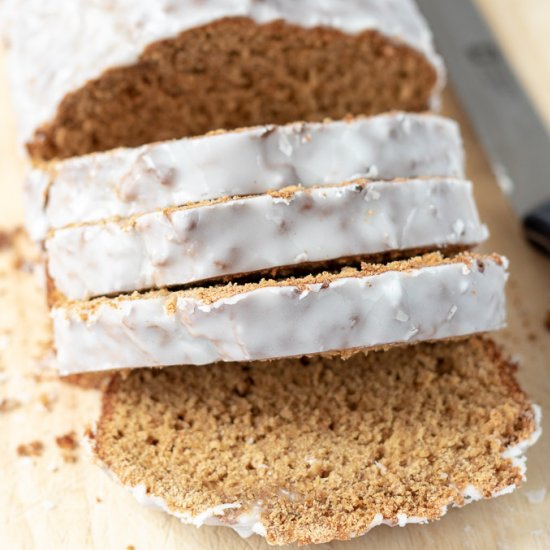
pixel 59 500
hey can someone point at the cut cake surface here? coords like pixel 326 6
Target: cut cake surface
pixel 312 450
pixel 189 67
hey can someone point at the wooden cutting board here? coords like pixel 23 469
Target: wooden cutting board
pixel 60 500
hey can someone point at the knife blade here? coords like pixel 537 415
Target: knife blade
pixel 504 119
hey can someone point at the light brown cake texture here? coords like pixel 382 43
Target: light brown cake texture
pixel 320 445
pixel 232 73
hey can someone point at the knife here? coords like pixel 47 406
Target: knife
pixel 504 119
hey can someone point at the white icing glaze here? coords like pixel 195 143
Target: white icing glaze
pixel 35 193
pixel 125 182
pixel 162 329
pixel 249 523
pixel 56 46
pixel 246 524
pixel 516 453
pixel 471 493
pixel 167 248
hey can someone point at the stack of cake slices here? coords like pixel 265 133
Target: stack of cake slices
pixel 258 264
pixel 176 253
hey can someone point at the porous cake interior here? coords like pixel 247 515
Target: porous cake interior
pixel 234 73
pixel 320 446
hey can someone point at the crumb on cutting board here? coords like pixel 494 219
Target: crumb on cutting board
pixel 9 404
pixel 47 400
pixel 34 448
pixel 67 441
pixel 6 239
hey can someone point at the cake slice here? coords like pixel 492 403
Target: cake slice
pixel 128 182
pixel 293 227
pixel 425 298
pixel 311 450
pixel 90 76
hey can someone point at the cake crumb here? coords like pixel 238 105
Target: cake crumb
pixel 34 448
pixel 6 239
pixel 43 349
pixel 69 458
pixel 9 404
pixel 20 263
pixel 47 400
pixel 171 306
pixel 67 441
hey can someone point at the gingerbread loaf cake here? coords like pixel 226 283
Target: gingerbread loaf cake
pixel 91 76
pixel 295 227
pixel 128 182
pixel 190 223
pixel 312 450
pixel 429 297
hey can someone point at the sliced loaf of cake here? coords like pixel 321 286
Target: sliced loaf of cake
pixel 90 76
pixel 311 450
pixel 426 298
pixel 129 182
pixel 293 227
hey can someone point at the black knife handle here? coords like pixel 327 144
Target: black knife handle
pixel 537 227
